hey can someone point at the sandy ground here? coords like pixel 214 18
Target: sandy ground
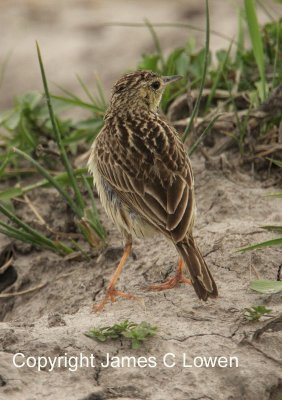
pixel 231 207
pixel 51 321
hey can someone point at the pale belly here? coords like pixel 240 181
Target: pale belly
pixel 126 219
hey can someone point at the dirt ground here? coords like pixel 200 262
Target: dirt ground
pixel 51 321
pixel 231 207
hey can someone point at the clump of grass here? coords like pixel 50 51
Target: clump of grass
pixel 23 232
pixel 246 75
pixel 87 218
pixel 255 313
pixel 253 70
pixel 136 333
pixel 182 61
pixel 78 197
pixel 28 127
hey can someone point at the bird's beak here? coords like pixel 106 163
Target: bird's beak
pixel 170 79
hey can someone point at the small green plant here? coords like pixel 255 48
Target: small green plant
pixel 136 333
pixel 254 313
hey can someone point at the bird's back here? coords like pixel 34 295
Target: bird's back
pixel 142 159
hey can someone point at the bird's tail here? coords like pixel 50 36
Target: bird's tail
pixel 201 277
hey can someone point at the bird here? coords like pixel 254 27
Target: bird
pixel 145 182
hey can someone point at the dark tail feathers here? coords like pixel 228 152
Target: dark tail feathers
pixel 201 277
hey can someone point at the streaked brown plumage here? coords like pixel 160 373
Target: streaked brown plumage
pixel 145 180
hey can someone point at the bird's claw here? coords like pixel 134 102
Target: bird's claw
pixel 111 296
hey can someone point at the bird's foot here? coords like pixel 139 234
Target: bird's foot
pixel 170 283
pixel 111 296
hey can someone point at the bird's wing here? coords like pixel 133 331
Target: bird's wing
pixel 151 173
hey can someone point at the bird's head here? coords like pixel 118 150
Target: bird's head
pixel 140 89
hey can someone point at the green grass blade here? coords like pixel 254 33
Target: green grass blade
pixel 276 162
pixel 80 249
pixel 101 92
pixel 273 228
pixel 26 134
pixel 240 39
pixel 277 54
pixel 21 233
pixel 266 11
pixel 197 105
pixel 61 178
pixel 269 243
pixel 6 161
pixel 203 135
pixel 156 43
pixel 95 220
pixel 256 40
pixel 266 286
pixel 11 193
pixel 37 236
pixel 74 100
pixel 23 236
pixel 219 74
pixel 98 103
pixel 242 126
pixel 78 103
pixel 4 66
pixel 67 92
pixel 63 249
pixel 52 181
pixel 85 89
pixel 170 25
pixel 57 133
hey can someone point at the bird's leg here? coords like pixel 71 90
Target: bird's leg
pixel 174 281
pixel 112 293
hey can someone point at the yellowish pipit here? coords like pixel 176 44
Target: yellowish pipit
pixel 145 180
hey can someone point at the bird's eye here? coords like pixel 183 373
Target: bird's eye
pixel 155 85
pixel 120 88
